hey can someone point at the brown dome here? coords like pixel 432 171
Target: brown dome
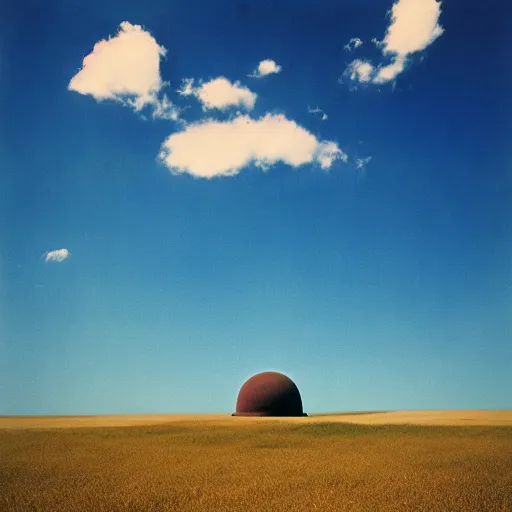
pixel 269 394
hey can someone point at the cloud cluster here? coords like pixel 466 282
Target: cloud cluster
pixel 57 256
pixel 413 26
pixel 219 93
pixel 354 43
pixel 214 148
pixel 125 68
pixel 266 67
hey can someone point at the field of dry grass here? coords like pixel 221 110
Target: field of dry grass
pixel 216 464
pixel 441 417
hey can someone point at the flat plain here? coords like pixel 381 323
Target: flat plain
pixel 407 460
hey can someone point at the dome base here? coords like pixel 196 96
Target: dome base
pixel 269 415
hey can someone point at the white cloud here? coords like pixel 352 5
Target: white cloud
pixel 413 26
pixel 361 162
pixel 166 109
pixel 354 43
pixel 377 43
pixel 327 152
pixel 214 148
pixel 187 87
pixel 58 255
pixel 359 70
pixel 219 93
pixel 318 110
pixel 387 73
pixel 127 64
pixel 125 68
pixel 266 67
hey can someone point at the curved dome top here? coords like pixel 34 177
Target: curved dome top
pixel 269 394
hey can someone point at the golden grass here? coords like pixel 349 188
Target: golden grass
pixel 121 420
pixel 442 417
pixel 453 418
pixel 221 464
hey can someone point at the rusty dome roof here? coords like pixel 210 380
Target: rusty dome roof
pixel 269 394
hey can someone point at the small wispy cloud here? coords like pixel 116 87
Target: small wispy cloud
pixel 126 68
pixel 354 43
pixel 187 87
pixel 359 70
pixel 361 162
pixel 317 110
pixel 413 26
pixel 213 148
pixel 377 43
pixel 327 152
pixel 219 93
pixel 57 256
pixel 166 109
pixel 266 67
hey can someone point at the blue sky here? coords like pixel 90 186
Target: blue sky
pixel 312 202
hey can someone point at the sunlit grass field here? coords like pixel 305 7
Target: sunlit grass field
pixel 256 466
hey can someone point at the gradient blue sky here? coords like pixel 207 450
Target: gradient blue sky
pixel 386 286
